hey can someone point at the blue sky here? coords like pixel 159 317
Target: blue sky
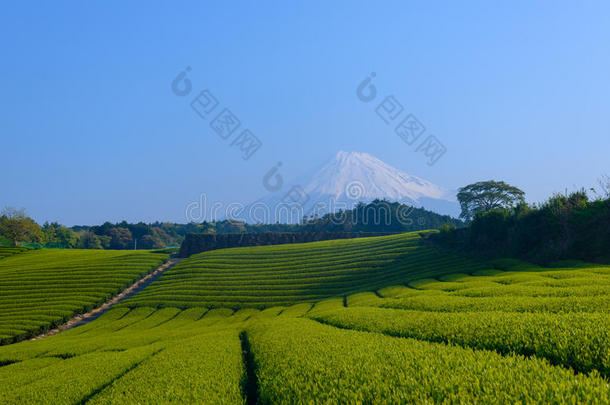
pixel 91 130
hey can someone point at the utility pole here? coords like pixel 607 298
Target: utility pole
pixel 135 243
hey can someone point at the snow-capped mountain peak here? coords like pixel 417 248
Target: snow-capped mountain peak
pixel 357 175
pixel 344 181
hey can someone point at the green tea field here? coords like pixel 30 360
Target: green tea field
pixel 40 289
pixel 310 202
pixel 265 276
pixel 326 323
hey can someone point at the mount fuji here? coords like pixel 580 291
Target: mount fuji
pixel 353 177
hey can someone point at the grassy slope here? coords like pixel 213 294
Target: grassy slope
pixel 448 330
pixel 145 355
pixel 9 251
pixel 40 289
pixel 265 276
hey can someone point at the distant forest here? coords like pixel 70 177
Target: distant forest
pixel 377 216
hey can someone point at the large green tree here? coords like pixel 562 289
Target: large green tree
pixel 485 196
pixel 17 227
pixel 66 237
pixel 121 238
pixel 89 240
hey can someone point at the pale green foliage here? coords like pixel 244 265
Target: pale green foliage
pixel 207 366
pixel 302 361
pixel 139 356
pixel 577 340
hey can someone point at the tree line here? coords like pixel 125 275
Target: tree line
pixel 377 216
pixel 17 228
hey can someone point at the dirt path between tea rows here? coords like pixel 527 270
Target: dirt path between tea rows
pixel 95 313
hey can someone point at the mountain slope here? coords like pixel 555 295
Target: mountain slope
pixel 373 178
pixel 347 179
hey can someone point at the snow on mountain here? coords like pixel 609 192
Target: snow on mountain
pixel 373 179
pixel 349 178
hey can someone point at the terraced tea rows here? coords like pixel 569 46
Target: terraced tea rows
pixel 570 287
pixel 285 274
pixel 197 355
pixel 449 330
pixel 302 361
pixel 9 251
pixel 142 356
pixel 43 288
pixel 577 340
pixel 561 314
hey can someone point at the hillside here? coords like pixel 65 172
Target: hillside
pixel 470 335
pixel 41 289
pixel 9 251
pixel 264 276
